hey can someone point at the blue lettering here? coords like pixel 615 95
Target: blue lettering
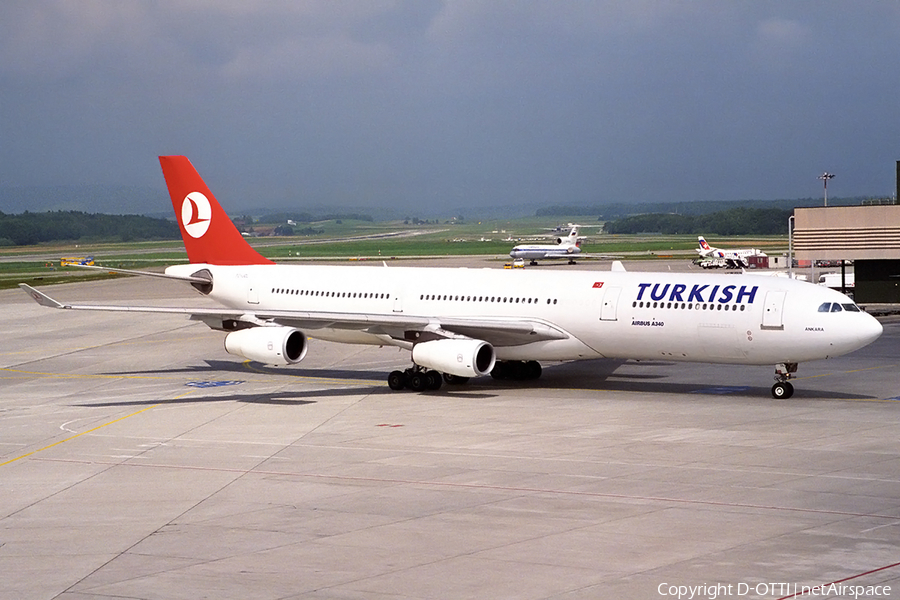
pixel 661 295
pixel 642 286
pixel 744 292
pixel 726 294
pixel 695 293
pixel 676 292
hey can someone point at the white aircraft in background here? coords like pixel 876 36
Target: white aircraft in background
pixel 460 323
pixel 565 247
pixel 718 257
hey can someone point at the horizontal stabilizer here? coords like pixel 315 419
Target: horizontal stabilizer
pixel 188 278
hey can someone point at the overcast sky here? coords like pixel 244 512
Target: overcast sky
pixel 454 103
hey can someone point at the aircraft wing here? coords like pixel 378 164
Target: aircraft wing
pixel 497 332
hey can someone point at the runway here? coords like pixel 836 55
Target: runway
pixel 138 460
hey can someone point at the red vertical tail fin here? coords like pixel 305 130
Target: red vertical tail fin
pixel 209 235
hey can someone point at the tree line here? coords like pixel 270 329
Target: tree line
pixel 734 221
pixel 619 210
pixel 33 228
pixel 305 217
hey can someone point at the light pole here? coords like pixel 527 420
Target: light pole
pixel 825 177
pixel 791 247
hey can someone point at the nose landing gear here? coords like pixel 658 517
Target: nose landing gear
pixel 783 389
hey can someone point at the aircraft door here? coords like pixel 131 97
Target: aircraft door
pixel 610 304
pixel 398 301
pixel 252 290
pixel 773 308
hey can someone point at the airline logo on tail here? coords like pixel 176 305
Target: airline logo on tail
pixel 196 214
pixel 209 235
pixel 703 244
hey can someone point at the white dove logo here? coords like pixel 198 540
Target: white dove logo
pixel 195 214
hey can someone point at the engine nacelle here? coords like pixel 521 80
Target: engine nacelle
pixel 463 358
pixel 279 346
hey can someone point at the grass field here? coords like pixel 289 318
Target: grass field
pixel 357 240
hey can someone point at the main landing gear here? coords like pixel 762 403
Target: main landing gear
pixel 419 379
pixel 783 389
pixel 516 369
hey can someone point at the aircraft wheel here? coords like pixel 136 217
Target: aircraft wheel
pixel 501 370
pixel 455 379
pixel 418 382
pixel 533 369
pixel 396 380
pixel 434 380
pixel 782 390
pixel 512 369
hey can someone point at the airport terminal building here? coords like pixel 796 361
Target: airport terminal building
pixel 867 235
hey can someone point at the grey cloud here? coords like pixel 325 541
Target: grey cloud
pixel 409 103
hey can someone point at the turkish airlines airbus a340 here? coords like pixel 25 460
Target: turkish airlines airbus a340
pixel 460 322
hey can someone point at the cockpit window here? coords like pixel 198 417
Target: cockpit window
pixel 835 307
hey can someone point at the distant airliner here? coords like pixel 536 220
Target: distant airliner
pixel 732 259
pixel 461 323
pixel 565 247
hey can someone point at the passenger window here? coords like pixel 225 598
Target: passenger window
pixel 836 307
pixel 825 307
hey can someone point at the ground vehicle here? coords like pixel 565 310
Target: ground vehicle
pixel 833 280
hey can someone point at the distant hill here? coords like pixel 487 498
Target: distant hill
pixel 151 201
pixel 33 228
pixel 733 221
pixel 620 210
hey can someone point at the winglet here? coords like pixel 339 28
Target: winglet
pixel 40 297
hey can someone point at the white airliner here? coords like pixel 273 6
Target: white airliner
pixel 565 247
pixel 732 259
pixel 461 322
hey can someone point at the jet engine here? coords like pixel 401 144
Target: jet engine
pixel 279 346
pixel 463 357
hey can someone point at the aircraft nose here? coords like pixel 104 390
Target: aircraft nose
pixel 870 329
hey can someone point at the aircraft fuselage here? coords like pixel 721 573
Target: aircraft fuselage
pixel 687 317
